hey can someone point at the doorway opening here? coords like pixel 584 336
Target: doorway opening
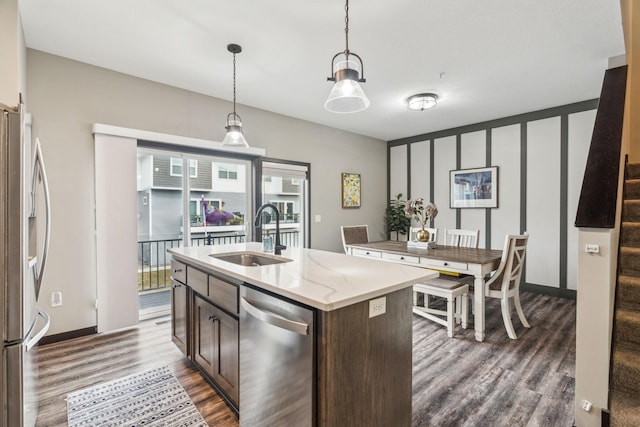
pixel 285 184
pixel 185 199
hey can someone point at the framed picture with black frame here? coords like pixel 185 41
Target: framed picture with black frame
pixel 473 188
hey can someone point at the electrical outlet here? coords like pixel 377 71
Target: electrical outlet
pixel 56 299
pixel 377 306
pixel 586 406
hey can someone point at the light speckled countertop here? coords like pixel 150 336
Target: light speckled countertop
pixel 320 279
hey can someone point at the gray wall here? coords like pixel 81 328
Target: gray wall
pixel 67 97
pixel 540 157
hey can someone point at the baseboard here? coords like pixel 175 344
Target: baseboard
pixel 546 290
pixel 50 339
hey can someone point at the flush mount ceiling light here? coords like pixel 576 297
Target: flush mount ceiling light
pixel 422 101
pixel 234 136
pixel 346 96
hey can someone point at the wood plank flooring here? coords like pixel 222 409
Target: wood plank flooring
pixel 457 381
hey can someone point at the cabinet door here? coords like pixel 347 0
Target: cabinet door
pixel 179 316
pixel 226 372
pixel 216 346
pixel 204 334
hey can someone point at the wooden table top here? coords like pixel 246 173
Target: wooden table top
pixel 440 252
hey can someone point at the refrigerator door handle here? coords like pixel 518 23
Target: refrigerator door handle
pixel 34 339
pixel 39 171
pixel 274 319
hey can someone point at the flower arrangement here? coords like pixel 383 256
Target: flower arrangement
pixel 417 209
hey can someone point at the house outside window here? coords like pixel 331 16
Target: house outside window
pixel 286 210
pixel 195 209
pixel 175 168
pixel 227 171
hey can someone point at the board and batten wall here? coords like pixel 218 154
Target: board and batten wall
pixel 540 157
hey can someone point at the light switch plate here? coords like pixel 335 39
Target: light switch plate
pixel 590 248
pixel 56 299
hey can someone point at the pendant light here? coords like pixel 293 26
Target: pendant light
pixel 346 96
pixel 234 136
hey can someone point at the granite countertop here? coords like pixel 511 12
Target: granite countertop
pixel 320 279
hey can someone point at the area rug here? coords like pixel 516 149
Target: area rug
pixel 151 398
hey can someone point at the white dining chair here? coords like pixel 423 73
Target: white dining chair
pixel 504 284
pixel 354 234
pixel 462 238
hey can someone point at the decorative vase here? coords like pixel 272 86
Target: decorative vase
pixel 422 235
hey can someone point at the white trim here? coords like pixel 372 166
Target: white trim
pixel 99 128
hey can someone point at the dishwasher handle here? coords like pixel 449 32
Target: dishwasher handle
pixel 274 319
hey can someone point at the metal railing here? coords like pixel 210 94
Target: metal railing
pixel 154 262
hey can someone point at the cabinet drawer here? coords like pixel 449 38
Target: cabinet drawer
pixel 444 265
pixel 223 294
pixel 197 280
pixel 178 271
pixel 366 253
pixel 401 258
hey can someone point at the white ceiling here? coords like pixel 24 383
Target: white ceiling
pixel 486 59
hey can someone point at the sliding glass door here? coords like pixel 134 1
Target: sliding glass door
pixel 286 185
pixel 186 200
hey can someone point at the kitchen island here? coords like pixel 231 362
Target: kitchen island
pixel 360 332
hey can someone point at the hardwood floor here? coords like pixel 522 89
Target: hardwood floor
pixel 82 362
pixel 457 381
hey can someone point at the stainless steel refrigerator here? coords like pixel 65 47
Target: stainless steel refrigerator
pixel 24 201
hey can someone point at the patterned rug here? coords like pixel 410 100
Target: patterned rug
pixel 151 398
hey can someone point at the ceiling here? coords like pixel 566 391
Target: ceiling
pixel 485 59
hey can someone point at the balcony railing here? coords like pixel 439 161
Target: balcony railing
pixel 154 262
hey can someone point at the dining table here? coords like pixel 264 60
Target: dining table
pixel 476 262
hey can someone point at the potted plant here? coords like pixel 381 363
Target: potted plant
pixel 395 217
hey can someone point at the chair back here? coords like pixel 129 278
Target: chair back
pixel 462 238
pixel 507 276
pixel 433 233
pixel 354 234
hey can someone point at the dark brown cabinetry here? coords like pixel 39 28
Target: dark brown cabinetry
pixel 204 325
pixel 215 345
pixel 361 368
pixel 179 307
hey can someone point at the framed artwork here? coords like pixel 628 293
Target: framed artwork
pixel 351 190
pixel 474 188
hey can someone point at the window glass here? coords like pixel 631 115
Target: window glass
pixel 176 167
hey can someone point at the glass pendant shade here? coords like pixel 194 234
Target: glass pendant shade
pixel 347 95
pixel 234 136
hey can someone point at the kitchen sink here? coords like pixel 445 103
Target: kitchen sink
pixel 250 259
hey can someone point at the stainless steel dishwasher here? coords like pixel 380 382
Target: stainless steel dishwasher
pixel 277 369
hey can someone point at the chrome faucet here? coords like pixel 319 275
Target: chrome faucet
pixel 278 247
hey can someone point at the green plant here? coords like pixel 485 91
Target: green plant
pixel 395 217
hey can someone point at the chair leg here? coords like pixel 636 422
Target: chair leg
pixel 506 318
pixel 450 315
pixel 464 307
pixel 516 302
pixel 458 315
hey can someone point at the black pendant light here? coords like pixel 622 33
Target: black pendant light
pixel 346 96
pixel 234 136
